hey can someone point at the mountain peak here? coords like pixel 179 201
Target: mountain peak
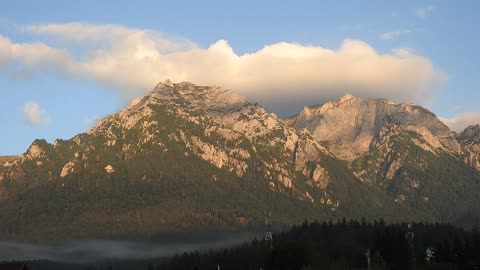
pixel 201 97
pixel 182 96
pixel 349 125
pixel 470 133
pixel 474 128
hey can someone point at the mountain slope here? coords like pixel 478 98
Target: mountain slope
pixel 181 157
pixel 402 149
pixel 189 157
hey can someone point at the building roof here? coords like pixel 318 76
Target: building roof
pixel 13 266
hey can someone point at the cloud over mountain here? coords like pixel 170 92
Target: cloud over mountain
pixel 131 61
pixel 462 120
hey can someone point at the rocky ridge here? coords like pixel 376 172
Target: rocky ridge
pixel 348 126
pixel 353 157
pixel 222 114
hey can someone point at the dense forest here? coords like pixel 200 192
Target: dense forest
pixel 339 244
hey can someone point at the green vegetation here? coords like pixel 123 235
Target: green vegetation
pixel 437 186
pixel 343 246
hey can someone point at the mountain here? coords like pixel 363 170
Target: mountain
pixel 470 139
pixel 349 125
pixel 190 157
pixel 403 149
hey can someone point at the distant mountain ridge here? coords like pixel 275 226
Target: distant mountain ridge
pixel 189 157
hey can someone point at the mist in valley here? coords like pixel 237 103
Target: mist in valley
pixel 101 250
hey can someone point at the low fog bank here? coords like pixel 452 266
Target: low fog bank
pixel 95 250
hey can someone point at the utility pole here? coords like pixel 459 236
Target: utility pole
pixel 369 261
pixel 268 223
pixel 411 247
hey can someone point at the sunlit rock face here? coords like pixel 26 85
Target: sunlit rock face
pixel 350 125
pixel 218 113
pixel 393 146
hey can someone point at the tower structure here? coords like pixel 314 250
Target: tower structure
pixel 268 224
pixel 411 248
pixel 369 259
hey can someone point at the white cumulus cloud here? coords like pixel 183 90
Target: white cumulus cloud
pixel 460 121
pixel 35 115
pixel 282 76
pixel 24 58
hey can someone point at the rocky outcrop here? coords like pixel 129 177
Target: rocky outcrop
pixel 308 155
pixel 470 139
pixel 7 161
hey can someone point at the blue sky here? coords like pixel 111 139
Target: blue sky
pixel 63 64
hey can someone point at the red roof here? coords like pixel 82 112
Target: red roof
pixel 13 266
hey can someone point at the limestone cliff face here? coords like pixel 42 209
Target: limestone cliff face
pixel 209 122
pixel 470 139
pixel 350 125
pixel 392 146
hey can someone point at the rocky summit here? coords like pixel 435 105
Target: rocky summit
pixel 350 125
pixel 190 157
pixel 470 139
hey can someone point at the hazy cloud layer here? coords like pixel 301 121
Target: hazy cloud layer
pixel 422 13
pixel 282 76
pixel 90 251
pixel 460 121
pixel 34 115
pixel 112 36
